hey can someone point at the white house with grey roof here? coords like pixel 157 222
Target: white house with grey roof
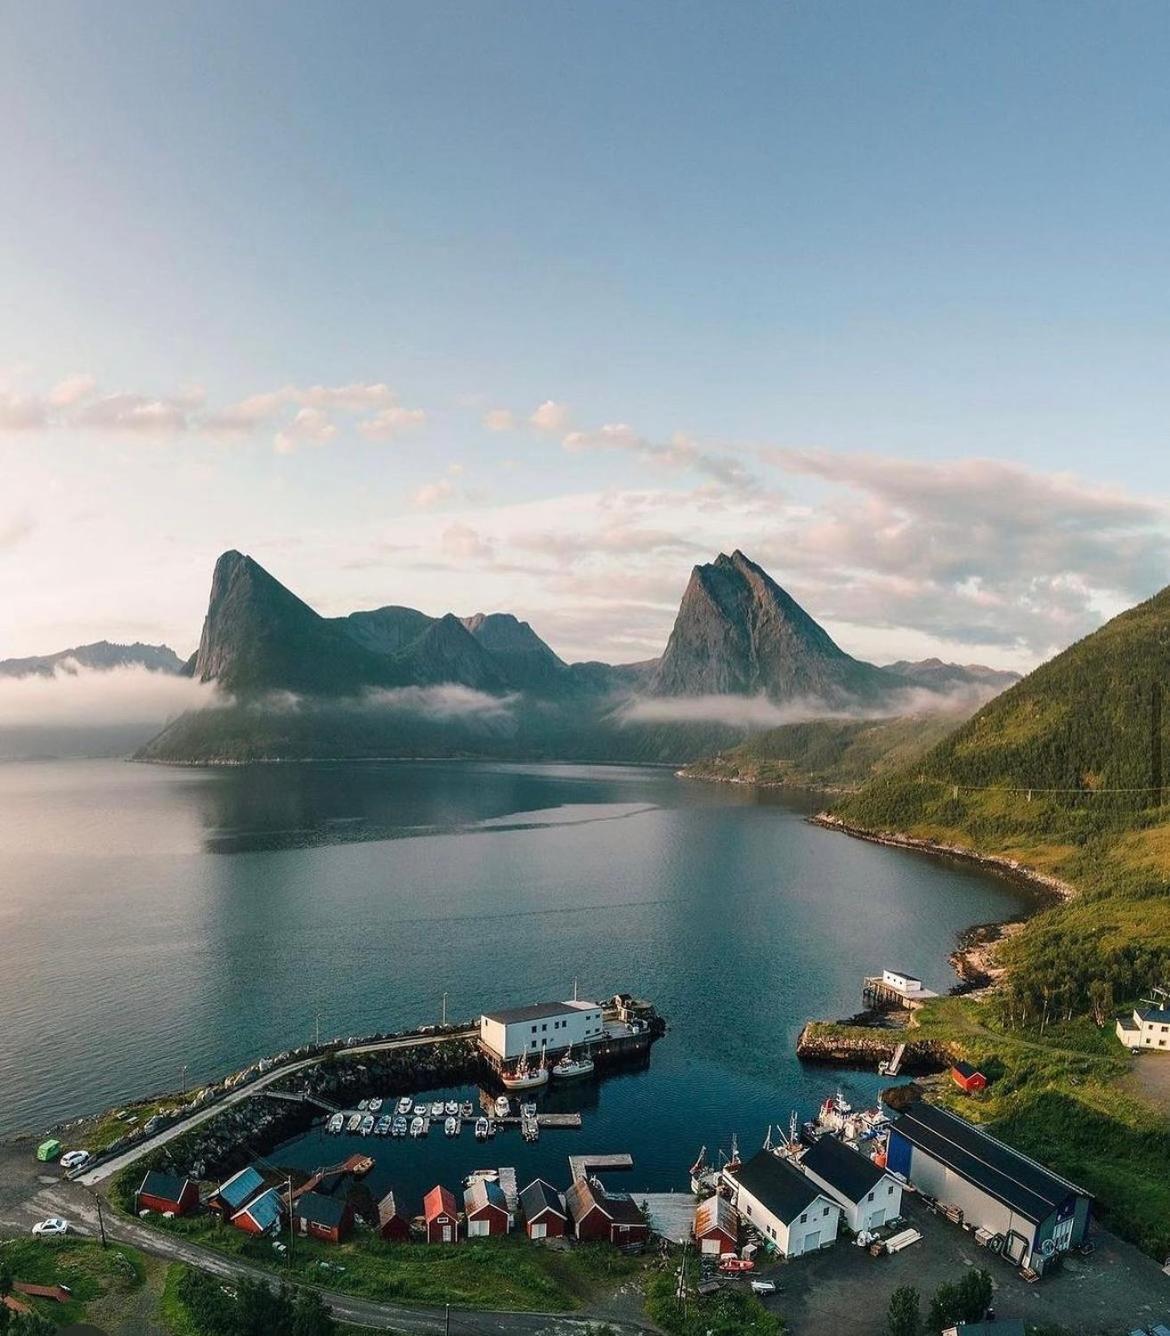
pixel 789 1209
pixel 543 1027
pixel 867 1193
pixel 1150 1028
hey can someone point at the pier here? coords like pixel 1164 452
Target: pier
pixel 581 1166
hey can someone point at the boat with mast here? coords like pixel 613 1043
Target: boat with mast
pixel 524 1077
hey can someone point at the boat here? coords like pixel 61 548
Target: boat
pixel 398 1127
pixel 360 1167
pixel 482 1176
pixel 355 1121
pixel 467 1109
pixel 451 1108
pixel 527 1110
pixel 336 1123
pixel 482 1129
pixel 375 1104
pixel 491 1127
pixel 364 1105
pixel 451 1127
pixel 503 1106
pixel 523 1077
pixel 384 1125
pixel 404 1106
pixel 437 1108
pixel 569 1067
pixel 417 1126
pixel 367 1125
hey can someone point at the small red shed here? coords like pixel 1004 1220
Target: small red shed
pixel 716 1226
pixel 326 1218
pixel 967 1078
pixel 599 1215
pixel 393 1226
pixel 441 1216
pixel 166 1192
pixel 262 1214
pixel 486 1209
pixel 544 1211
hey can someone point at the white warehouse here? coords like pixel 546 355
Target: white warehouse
pixel 543 1027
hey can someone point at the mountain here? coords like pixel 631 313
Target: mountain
pixel 738 633
pixel 525 660
pixel 101 655
pixel 940 676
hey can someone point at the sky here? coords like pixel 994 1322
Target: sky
pixel 531 307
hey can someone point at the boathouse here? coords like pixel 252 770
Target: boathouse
pixel 787 1206
pixel 866 1192
pixel 545 1216
pixel 232 1194
pixel 895 988
pixel 441 1215
pixel 600 1215
pixel 1037 1214
pixel 166 1193
pixel 543 1027
pixel 716 1226
pixel 329 1219
pixel 393 1226
pixel 969 1079
pixel 261 1215
pixel 486 1209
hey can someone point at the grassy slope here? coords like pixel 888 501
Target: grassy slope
pixel 95 1275
pixel 1082 722
pixel 827 753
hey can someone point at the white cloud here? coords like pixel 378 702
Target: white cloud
pixel 136 414
pixel 432 494
pixel 391 422
pixel 72 390
pixel 310 426
pixel 681 452
pixel 447 702
pixel 21 413
pixel 550 416
pixel 78 697
pixel 460 542
pixel 498 419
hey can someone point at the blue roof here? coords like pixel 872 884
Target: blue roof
pixel 265 1210
pixel 236 1191
pixel 1155 1014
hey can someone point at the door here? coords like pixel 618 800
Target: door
pixel 811 1241
pixel 447 1234
pixel 876 1218
pixel 539 1230
pixel 711 1246
pixel 477 1229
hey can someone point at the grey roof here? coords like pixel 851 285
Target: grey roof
pixel 540 1196
pixel 851 1174
pixel 777 1185
pixel 159 1184
pixel 536 1011
pixel 623 1209
pixel 1000 1171
pixel 483 1193
pixel 319 1209
pixel 236 1191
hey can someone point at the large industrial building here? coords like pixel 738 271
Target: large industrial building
pixel 1037 1214
pixel 793 1212
pixel 543 1027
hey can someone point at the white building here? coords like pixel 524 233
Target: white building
pixel 1150 1028
pixel 867 1194
pixel 785 1205
pixel 548 1027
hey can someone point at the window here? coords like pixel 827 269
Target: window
pixel 534 1029
pixel 804 1217
pixel 543 1028
pixel 870 1197
pixel 826 1210
pixel 890 1190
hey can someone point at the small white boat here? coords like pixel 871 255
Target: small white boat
pixel 418 1127
pixel 355 1121
pixel 336 1123
pixel 482 1131
pixel 367 1125
pixel 467 1110
pixel 384 1125
pixel 437 1108
pixel 527 1110
pixel 451 1127
pixel 482 1176
pixel 398 1127
pixel 569 1067
pixel 503 1106
pixel 364 1105
pixel 375 1104
pixel 404 1106
pixel 451 1108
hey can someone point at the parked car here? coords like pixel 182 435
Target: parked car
pixel 74 1159
pixel 52 1228
pixel 764 1286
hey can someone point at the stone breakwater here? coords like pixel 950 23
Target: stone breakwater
pixel 821 1041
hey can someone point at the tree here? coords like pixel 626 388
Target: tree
pixel 311 1315
pixel 1101 1000
pixel 904 1316
pixel 974 1293
pixel 944 1307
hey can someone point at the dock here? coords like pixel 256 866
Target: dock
pixel 581 1166
pixel 509 1187
pixel 894 988
pixel 671 1214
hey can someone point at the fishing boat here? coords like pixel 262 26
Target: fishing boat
pixel 336 1123
pixel 502 1106
pixel 481 1129
pixel 398 1127
pixel 384 1125
pixel 528 1110
pixel 417 1126
pixel 375 1104
pixel 404 1106
pixel 367 1125
pixel 451 1108
pixel 523 1077
pixel 437 1109
pixel 364 1105
pixel 467 1110
pixel 569 1067
pixel 451 1127
pixel 355 1121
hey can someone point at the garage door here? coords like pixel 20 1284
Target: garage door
pixel 812 1241
pixel 876 1218
pixel 539 1230
pixel 711 1246
pixel 476 1229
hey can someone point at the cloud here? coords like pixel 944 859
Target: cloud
pixel 13 532
pixel 499 419
pixel 137 414
pixel 391 422
pixel 432 494
pixel 550 416
pixel 310 426
pixel 460 542
pixel 21 413
pixel 681 452
pixel 83 698
pixel 443 703
pixel 72 390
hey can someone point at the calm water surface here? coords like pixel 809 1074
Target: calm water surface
pixel 151 918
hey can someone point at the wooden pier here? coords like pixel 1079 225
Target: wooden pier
pixel 580 1166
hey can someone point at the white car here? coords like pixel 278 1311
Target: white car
pixel 764 1286
pixel 74 1159
pixel 52 1228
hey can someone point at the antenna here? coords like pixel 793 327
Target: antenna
pixel 574 988
pixel 768 1138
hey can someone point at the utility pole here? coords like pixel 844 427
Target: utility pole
pixel 290 1220
pixel 444 1009
pixel 317 1029
pixel 101 1221
pixel 448 1322
pixel 183 1079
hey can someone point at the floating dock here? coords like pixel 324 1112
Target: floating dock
pixel 581 1166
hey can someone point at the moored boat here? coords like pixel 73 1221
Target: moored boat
pixel 503 1106
pixel 355 1121
pixel 417 1126
pixel 375 1104
pixel 364 1105
pixel 437 1108
pixel 523 1077
pixel 467 1109
pixel 451 1127
pixel 451 1108
pixel 398 1127
pixel 570 1067
pixel 404 1105
pixel 367 1125
pixel 336 1123
pixel 384 1125
pixel 527 1110
pixel 481 1129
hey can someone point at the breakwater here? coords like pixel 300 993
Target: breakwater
pixel 855 1046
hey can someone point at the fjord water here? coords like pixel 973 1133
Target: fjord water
pixel 153 919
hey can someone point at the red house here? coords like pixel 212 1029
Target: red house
pixel 262 1214
pixel 166 1193
pixel 600 1215
pixel 320 1217
pixel 441 1216
pixel 544 1211
pixel 393 1226
pixel 967 1078
pixel 486 1209
pixel 716 1226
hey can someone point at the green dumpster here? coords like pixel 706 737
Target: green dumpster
pixel 49 1150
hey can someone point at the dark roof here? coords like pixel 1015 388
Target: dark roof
pixel 623 1209
pixel 1003 1173
pixel 236 1191
pixel 167 1186
pixel 1157 1014
pixel 581 1196
pixel 540 1196
pixel 482 1193
pixel 265 1209
pixel 1009 1326
pixel 966 1070
pixel 776 1185
pixel 538 1011
pixel 851 1174
pixel 321 1210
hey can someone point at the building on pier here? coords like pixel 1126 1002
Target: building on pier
pixel 895 988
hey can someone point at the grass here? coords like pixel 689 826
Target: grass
pixel 501 1273
pixel 733 1311
pixel 96 1134
pixel 91 1272
pixel 177 1319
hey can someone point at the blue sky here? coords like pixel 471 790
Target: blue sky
pixel 875 292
